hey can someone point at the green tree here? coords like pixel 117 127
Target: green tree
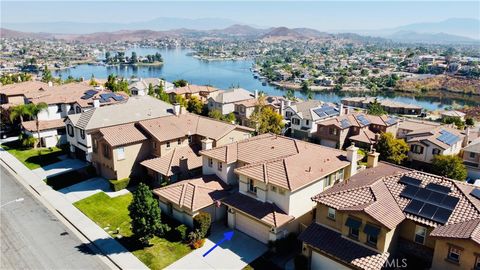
pixel 180 83
pixel 151 91
pixel 93 82
pixel 195 105
pixel 290 95
pixel 454 120
pixel 145 215
pixel 134 58
pixel 469 121
pixel 230 118
pixel 264 119
pixel 375 108
pixel 364 72
pixel 449 166
pixel 34 110
pixel 392 149
pixel 19 112
pixel 202 223
pixel 181 100
pixel 161 94
pixel 47 75
pixel 215 114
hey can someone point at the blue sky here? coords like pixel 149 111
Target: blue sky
pixel 323 15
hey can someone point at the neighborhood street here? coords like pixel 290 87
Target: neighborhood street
pixel 33 238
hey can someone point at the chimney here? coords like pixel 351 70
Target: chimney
pixel 183 164
pixel 256 93
pixel 50 84
pixel 176 108
pixel 372 159
pixel 207 144
pixel 340 109
pixel 96 103
pixel 352 156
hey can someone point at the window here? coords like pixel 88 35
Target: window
pixel 59 108
pixel 78 110
pixel 332 131
pixel 340 174
pixel 82 134
pixel 106 151
pixel 472 155
pixel 372 239
pixel 477 263
pixel 454 254
pixel 372 232
pixel 220 166
pixel 295 121
pixel 179 141
pixel 120 153
pixel 210 162
pixel 435 151
pixel 307 122
pixel 331 213
pixel 417 149
pixel 420 234
pixel 354 227
pixel 61 131
pixel 288 114
pixel 168 144
pixel 251 186
pixel 70 130
pixel 94 145
pixel 273 188
pixel 353 232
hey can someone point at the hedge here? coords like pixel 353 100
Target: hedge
pixel 202 222
pixel 120 184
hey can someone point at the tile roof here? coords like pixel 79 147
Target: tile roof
pixel 265 212
pixel 304 108
pixel 43 125
pixel 376 191
pixel 194 194
pixel 171 163
pixel 431 135
pixel 473 146
pixel 193 89
pixel 136 108
pixel 332 243
pixel 23 88
pixel 365 136
pixel 122 134
pixel 353 119
pixel 463 230
pixel 410 124
pixel 232 95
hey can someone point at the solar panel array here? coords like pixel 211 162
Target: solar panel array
pixel 326 111
pixel 431 202
pixel 475 193
pixel 89 94
pixel 345 123
pixel 447 137
pixel 106 97
pixel 391 121
pixel 363 120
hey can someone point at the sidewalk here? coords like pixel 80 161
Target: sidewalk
pixel 98 237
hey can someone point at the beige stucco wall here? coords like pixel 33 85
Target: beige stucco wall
pixel 233 136
pixel 407 231
pixel 471 251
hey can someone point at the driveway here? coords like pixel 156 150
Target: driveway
pixel 88 188
pixel 233 254
pixel 60 167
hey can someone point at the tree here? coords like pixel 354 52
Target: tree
pixel 180 83
pixel 93 82
pixel 215 114
pixel 134 58
pixel 145 215
pixel 375 108
pixel 469 121
pixel 47 75
pixel 195 105
pixel 181 100
pixel 34 110
pixel 161 94
pixel 151 91
pixel 264 119
pixel 290 95
pixel 392 149
pixel 202 223
pixel 454 120
pixel 19 111
pixel 449 166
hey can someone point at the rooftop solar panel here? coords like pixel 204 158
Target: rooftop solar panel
pixel 438 188
pixel 414 207
pixel 436 198
pixel 449 202
pixel 409 192
pixel 475 193
pixel 391 121
pixel 363 120
pixel 106 96
pixel 442 215
pixel 345 123
pixel 118 98
pixel 86 97
pixel 447 137
pixel 407 180
pixel 103 100
pixel 423 194
pixel 91 92
pixel 428 210
pixel 325 111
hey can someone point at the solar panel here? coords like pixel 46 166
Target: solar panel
pixel 407 180
pixel 118 98
pixel 436 198
pixel 447 137
pixel 345 123
pixel 325 111
pixel 391 121
pixel 475 193
pixel 363 120
pixel 442 215
pixel 409 192
pixel 91 92
pixel 438 188
pixel 103 100
pixel 428 210
pixel 449 202
pixel 106 96
pixel 86 97
pixel 423 194
pixel 414 207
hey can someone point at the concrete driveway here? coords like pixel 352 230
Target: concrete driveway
pixel 233 254
pixel 90 187
pixel 59 167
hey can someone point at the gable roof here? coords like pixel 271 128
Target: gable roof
pixel 303 109
pixel 43 125
pixel 232 95
pixel 193 89
pixel 355 119
pixel 122 134
pixel 194 194
pixel 171 162
pixel 473 146
pixel 432 135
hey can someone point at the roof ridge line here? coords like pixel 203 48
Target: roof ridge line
pixel 286 175
pixel 182 196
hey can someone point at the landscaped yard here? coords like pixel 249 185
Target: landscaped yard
pixel 67 179
pixel 113 213
pixel 33 158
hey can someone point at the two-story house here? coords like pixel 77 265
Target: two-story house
pixel 139 86
pixel 425 144
pixel 244 109
pixel 202 92
pixel 361 128
pixel 408 125
pixel 224 101
pixel 471 158
pixel 80 127
pixel 392 217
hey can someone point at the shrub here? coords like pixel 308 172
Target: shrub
pixel 301 262
pixel 196 240
pixel 198 244
pixel 181 233
pixel 120 184
pixel 201 223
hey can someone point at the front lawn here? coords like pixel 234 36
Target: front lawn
pixel 33 158
pixel 113 213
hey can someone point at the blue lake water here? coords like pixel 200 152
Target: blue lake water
pixel 222 74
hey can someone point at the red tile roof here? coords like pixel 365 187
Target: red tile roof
pixel 122 135
pixel 171 163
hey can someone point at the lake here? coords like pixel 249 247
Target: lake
pixel 225 74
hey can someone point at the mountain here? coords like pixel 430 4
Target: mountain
pixel 437 38
pixel 459 27
pixel 17 34
pixel 239 30
pixel 158 24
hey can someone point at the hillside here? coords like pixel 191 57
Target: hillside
pixel 441 82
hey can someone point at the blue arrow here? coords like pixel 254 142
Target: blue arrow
pixel 226 236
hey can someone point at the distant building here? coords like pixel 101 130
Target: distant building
pixel 471 158
pixel 200 91
pixel 139 87
pixel 391 107
pixel 224 101
pixel 453 114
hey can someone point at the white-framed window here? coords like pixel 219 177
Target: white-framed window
pixel 472 155
pixel 82 134
pixel 251 186
pixel 70 130
pixel 307 122
pixel 420 234
pixel 417 149
pixel 168 144
pixel 454 253
pixel 120 153
pixel 435 151
pixel 220 166
pixel 332 214
pixel 210 162
pixel 273 188
pixel 295 121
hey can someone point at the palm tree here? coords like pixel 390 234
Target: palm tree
pixel 19 111
pixel 33 111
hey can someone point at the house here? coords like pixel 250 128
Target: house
pixel 390 106
pixel 453 114
pixel 18 93
pixel 361 128
pixel 407 125
pixel 304 116
pixel 202 92
pixel 393 217
pixel 244 109
pixel 424 144
pixel 139 87
pixel 224 101
pixel 471 158
pixel 274 174
pixel 80 126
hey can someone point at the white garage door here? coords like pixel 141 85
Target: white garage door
pixel 329 143
pixel 251 227
pixel 320 262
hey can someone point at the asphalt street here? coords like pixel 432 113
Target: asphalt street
pixel 31 237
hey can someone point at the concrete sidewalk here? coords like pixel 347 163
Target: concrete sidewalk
pixel 96 235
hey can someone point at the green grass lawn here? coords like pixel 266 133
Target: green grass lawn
pixel 33 158
pixel 113 213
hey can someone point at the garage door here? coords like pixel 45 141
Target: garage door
pixel 329 143
pixel 320 262
pixel 251 227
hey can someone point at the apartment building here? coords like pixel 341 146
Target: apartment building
pixel 389 216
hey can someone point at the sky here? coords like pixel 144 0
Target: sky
pixel 321 15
